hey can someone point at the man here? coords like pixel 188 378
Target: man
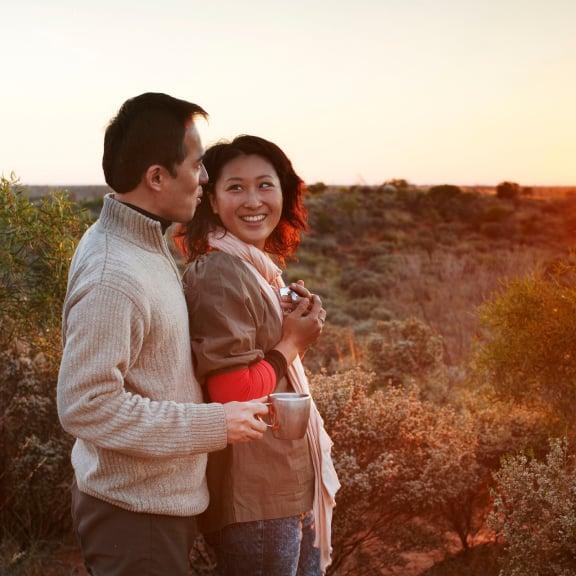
pixel 126 388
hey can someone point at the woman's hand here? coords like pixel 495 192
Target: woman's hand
pixel 287 303
pixel 301 327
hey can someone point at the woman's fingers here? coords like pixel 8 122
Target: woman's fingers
pixel 301 307
pixel 300 289
pixel 316 306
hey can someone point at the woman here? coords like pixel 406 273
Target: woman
pixel 271 500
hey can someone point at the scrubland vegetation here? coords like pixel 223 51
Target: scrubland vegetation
pixel 446 375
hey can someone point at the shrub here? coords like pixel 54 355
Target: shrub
pixel 535 513
pixel 501 429
pixel 398 183
pixel 316 188
pixel 336 350
pixel 37 242
pixel 444 192
pixel 398 459
pixel 367 308
pixel 528 349
pixel 364 285
pixel 403 350
pixel 508 190
pixel 34 451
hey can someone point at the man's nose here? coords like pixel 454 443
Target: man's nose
pixel 203 175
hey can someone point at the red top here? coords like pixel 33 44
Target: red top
pixel 244 384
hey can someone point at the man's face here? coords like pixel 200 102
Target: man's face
pixel 182 192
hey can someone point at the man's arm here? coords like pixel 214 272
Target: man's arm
pixel 104 335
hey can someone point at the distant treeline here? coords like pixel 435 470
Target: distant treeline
pixel 84 193
pixel 78 193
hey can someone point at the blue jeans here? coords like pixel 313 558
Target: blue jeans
pixel 281 547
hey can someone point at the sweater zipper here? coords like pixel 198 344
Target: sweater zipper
pixel 168 255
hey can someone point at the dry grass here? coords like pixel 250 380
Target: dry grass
pixel 445 288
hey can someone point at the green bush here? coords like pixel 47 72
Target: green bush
pixel 528 352
pixel 38 240
pixel 365 285
pixel 444 192
pixel 34 451
pixel 535 513
pixel 403 350
pixel 367 308
pixel 316 188
pixel 508 190
pixel 399 460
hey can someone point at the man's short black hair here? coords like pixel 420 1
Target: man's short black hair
pixel 148 129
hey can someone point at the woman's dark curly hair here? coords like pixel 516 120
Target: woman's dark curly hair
pixel 192 238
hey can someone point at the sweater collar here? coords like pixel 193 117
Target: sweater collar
pixel 131 224
pixel 163 222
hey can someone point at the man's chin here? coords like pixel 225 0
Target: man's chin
pixel 188 219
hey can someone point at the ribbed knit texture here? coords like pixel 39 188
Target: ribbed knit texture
pixel 126 388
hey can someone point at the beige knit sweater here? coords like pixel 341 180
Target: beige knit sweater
pixel 126 388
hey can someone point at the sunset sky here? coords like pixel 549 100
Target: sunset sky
pixel 433 91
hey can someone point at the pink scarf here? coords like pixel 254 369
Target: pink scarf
pixel 269 277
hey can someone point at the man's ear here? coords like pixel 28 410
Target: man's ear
pixel 154 177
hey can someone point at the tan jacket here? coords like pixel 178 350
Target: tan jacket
pixel 233 326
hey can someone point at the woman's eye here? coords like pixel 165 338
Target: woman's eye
pixel 234 187
pixel 266 185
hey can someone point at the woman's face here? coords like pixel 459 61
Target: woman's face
pixel 248 198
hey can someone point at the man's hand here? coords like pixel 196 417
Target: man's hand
pixel 241 422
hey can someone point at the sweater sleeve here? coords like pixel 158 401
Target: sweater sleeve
pixel 104 333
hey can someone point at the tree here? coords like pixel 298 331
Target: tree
pixel 508 190
pixel 444 192
pixel 316 188
pixel 398 183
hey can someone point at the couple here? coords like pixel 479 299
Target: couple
pixel 127 388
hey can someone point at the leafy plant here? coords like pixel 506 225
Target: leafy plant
pixel 399 460
pixel 37 242
pixel 528 352
pixel 535 513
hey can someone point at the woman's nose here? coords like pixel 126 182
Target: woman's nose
pixel 253 199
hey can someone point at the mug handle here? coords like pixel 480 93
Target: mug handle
pixel 272 415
